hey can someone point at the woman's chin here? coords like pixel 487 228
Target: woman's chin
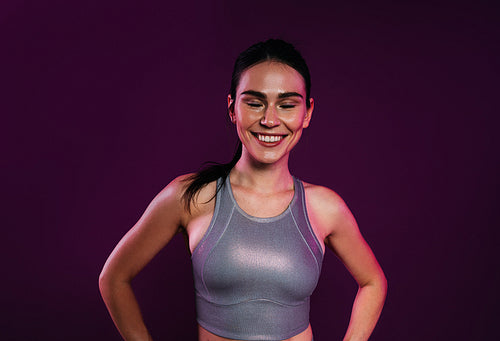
pixel 269 158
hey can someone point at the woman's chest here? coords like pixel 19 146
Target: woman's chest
pixel 258 260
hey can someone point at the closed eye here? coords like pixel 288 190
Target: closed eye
pixel 287 106
pixel 254 105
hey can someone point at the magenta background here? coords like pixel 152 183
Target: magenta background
pixel 104 102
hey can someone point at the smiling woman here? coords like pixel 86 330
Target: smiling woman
pixel 270 111
pixel 256 233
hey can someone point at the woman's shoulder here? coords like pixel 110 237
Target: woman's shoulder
pixel 176 189
pixel 325 206
pixel 321 195
pixel 178 186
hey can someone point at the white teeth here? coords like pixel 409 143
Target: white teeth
pixel 268 138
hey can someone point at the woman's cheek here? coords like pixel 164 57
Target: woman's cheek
pixel 293 123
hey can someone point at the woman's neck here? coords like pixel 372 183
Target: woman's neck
pixel 261 177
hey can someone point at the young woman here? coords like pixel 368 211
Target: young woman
pixel 256 233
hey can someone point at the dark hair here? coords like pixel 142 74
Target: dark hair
pixel 269 50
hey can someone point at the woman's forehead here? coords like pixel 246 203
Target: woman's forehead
pixel 271 77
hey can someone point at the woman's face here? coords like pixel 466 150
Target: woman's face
pixel 270 110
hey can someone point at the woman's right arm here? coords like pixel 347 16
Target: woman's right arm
pixel 159 223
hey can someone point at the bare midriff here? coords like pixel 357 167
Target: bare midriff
pixel 205 335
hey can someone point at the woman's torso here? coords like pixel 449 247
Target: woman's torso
pixel 253 204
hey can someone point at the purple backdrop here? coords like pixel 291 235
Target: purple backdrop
pixel 104 102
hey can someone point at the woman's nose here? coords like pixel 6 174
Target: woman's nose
pixel 270 118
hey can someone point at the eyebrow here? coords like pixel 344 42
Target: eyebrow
pixel 261 95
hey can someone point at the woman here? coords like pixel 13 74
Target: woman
pixel 254 230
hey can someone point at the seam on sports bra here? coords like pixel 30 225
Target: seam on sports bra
pixel 304 208
pixel 254 300
pixel 212 221
pixel 305 242
pixel 213 248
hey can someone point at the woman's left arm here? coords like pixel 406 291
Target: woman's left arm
pixel 341 234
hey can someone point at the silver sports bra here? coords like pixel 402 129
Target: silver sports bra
pixel 253 276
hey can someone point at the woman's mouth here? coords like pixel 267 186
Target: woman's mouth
pixel 270 139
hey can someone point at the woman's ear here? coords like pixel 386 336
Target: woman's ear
pixel 230 108
pixel 307 118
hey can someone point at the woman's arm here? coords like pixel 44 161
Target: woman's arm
pixel 159 223
pixel 348 244
pixel 341 234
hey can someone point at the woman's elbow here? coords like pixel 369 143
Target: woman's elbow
pixel 381 285
pixel 104 282
pixel 377 282
pixel 380 282
pixel 108 280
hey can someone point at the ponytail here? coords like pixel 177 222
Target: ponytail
pixel 211 172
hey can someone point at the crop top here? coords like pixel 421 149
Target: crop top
pixel 254 276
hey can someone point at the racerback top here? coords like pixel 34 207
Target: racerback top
pixel 253 276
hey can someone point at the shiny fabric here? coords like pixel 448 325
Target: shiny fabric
pixel 253 276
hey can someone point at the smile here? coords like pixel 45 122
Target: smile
pixel 268 138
